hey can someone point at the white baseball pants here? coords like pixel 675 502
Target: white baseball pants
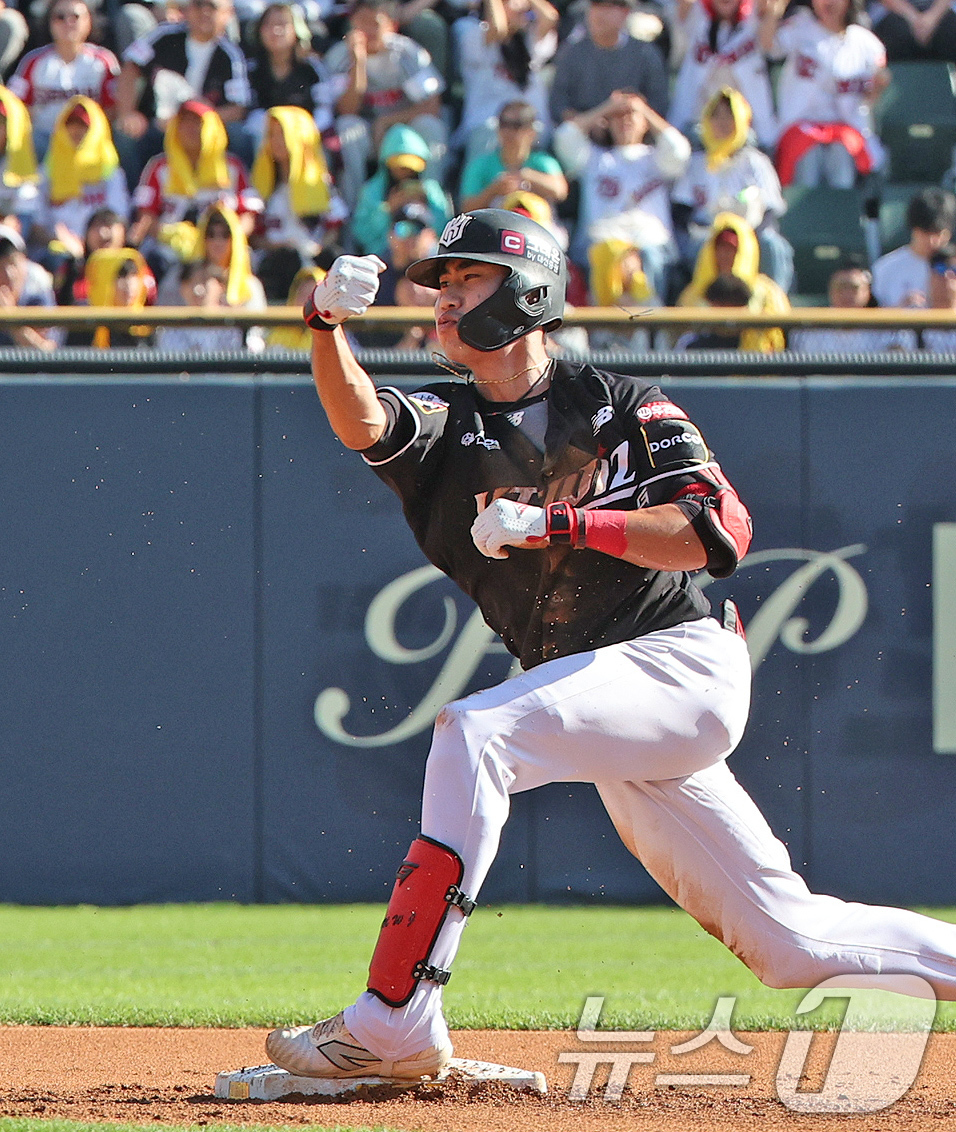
pixel 650 722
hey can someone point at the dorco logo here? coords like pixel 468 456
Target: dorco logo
pixel 670 441
pixel 454 229
pixel 659 411
pixel 479 438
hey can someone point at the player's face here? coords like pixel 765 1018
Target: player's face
pixel 463 284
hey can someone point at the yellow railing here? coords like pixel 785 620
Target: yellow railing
pixel 399 317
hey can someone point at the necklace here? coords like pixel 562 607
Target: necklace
pixel 464 372
pixel 514 377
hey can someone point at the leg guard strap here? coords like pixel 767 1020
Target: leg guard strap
pixel 426 886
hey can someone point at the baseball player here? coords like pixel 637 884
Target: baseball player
pixel 573 506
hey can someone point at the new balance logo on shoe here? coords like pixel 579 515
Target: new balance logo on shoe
pixel 344 1056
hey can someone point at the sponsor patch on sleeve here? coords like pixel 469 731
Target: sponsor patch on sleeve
pixel 660 411
pixel 672 442
pixel 428 402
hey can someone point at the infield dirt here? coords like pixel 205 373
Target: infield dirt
pixel 152 1076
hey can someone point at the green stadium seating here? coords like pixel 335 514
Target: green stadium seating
pixel 822 224
pixel 916 120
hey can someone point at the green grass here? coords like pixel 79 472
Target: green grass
pixel 519 967
pixel 16 1124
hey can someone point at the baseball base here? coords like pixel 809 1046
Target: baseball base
pixel 270 1083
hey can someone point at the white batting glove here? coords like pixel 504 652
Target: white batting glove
pixel 349 288
pixel 506 523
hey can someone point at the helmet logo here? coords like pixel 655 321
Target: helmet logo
pixel 454 228
pixel 512 242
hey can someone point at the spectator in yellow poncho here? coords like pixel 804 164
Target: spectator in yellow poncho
pixel 82 174
pixel 298 337
pixel 221 241
pixel 302 209
pixel 616 279
pixel 732 249
pixel 116 277
pixel 19 177
pixel 193 172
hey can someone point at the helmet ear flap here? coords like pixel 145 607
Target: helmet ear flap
pixel 497 321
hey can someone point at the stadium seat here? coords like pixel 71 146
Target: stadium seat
pixel 430 31
pixel 822 225
pixel 894 201
pixel 916 120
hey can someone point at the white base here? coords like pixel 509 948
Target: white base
pixel 270 1083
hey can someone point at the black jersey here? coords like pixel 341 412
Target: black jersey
pixel 612 442
pixel 226 79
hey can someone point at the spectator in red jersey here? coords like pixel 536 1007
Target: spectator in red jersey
pixel 193 172
pixel 48 77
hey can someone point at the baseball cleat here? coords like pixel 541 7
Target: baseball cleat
pixel 327 1049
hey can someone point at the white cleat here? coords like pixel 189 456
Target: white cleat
pixel 327 1049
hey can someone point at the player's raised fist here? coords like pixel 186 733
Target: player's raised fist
pixel 349 289
pixel 506 523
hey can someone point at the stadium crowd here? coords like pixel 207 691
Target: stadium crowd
pixel 221 153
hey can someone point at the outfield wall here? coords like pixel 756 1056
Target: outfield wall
pixel 222 649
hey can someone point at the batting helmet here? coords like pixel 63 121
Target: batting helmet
pixel 531 296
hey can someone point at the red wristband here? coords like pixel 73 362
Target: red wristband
pixel 605 531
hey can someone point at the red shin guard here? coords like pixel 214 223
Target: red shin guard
pixel 425 887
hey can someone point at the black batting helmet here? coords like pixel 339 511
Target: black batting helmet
pixel 531 296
